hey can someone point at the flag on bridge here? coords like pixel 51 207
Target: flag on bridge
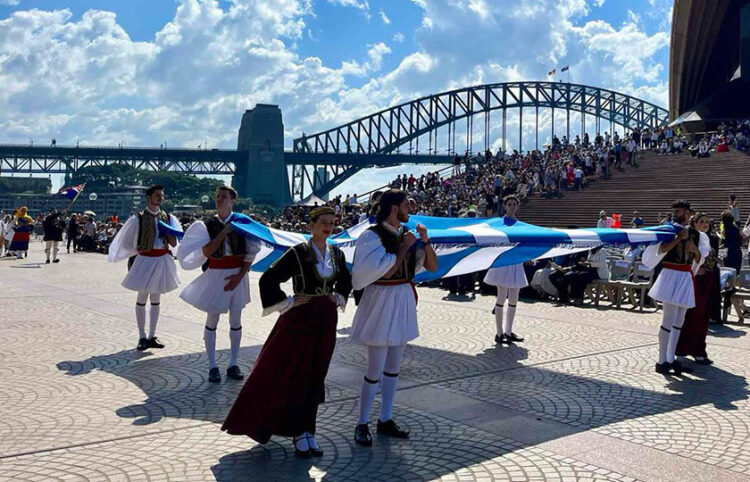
pixel 71 192
pixel 552 72
pixel 565 68
pixel 466 245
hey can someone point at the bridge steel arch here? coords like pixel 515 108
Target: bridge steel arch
pixel 391 129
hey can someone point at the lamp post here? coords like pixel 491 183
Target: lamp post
pixel 92 198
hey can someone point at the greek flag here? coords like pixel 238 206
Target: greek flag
pixel 467 245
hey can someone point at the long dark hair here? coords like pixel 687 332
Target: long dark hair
pixel 390 198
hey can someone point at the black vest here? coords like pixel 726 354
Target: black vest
pixel 680 255
pixel 236 242
pixel 309 281
pixel 391 242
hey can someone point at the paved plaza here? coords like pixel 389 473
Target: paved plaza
pixel 579 400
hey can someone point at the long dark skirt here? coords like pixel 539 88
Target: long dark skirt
pixel 283 391
pixel 692 340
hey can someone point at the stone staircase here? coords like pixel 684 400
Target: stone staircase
pixel 650 189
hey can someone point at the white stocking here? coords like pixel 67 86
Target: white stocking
pixel 154 314
pixel 140 313
pixel 209 337
pixel 375 362
pixel 511 315
pixel 390 380
pixel 235 334
pixel 674 336
pixel 502 295
pixel 669 314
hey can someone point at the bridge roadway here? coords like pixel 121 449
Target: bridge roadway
pixel 579 400
pixel 30 159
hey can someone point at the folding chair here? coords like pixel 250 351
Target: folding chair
pixel 641 282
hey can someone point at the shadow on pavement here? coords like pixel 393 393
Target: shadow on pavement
pixel 176 386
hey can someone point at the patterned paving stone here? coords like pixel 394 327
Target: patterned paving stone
pixel 77 402
pixel 439 449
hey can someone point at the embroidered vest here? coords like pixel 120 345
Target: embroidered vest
pixel 309 281
pixel 391 242
pixel 680 255
pixel 147 229
pixel 236 242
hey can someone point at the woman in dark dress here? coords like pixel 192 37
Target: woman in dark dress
pixel 692 341
pixel 282 393
pixel 732 241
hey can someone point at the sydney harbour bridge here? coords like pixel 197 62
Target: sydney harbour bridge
pixel 422 131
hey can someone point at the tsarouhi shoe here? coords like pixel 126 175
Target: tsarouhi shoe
pixel 55 260
pixel 235 373
pixel 662 368
pixel 214 375
pixel 301 447
pixel 155 343
pixel 499 339
pixel 390 428
pixel 513 338
pixel 362 435
pixel 48 262
pixel 678 369
pixel 142 344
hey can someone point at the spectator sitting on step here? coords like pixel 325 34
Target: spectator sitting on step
pixel 604 220
pixel 703 149
pixel 637 220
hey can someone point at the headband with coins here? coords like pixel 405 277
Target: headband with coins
pixel 320 211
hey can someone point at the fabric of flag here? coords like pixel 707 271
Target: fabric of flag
pixel 71 192
pixel 565 68
pixel 467 245
pixel 165 229
pixel 552 72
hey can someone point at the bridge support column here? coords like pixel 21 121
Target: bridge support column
pixel 262 176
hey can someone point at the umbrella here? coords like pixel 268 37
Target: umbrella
pixel 89 213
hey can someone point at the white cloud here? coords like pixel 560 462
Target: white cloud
pixel 384 17
pixel 86 78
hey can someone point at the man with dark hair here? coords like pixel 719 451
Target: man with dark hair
pixel 146 239
pixel 386 259
pixel 225 257
pixel 679 260
pixel 53 229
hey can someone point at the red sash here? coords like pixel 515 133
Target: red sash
pixel 400 282
pixel 227 262
pixel 153 253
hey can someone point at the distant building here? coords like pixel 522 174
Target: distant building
pixel 28 185
pixel 121 200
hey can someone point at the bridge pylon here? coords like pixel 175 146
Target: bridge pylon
pixel 262 175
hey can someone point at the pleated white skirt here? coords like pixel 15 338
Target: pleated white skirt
pixel 674 287
pixel 152 275
pixel 206 292
pixel 508 276
pixel 386 316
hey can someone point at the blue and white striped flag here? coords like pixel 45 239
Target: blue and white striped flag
pixel 467 245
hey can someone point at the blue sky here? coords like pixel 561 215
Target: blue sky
pixel 182 71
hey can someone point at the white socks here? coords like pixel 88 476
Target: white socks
pixel 235 336
pixel 669 333
pixel 366 397
pixel 140 319
pixel 153 317
pixel 511 316
pixel 499 317
pixel 388 393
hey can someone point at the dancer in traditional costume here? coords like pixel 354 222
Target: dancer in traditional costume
pixel 692 341
pixel 53 229
pixel 386 259
pixel 225 257
pixel 674 287
pixel 20 232
pixel 145 240
pixel 509 280
pixel 286 385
